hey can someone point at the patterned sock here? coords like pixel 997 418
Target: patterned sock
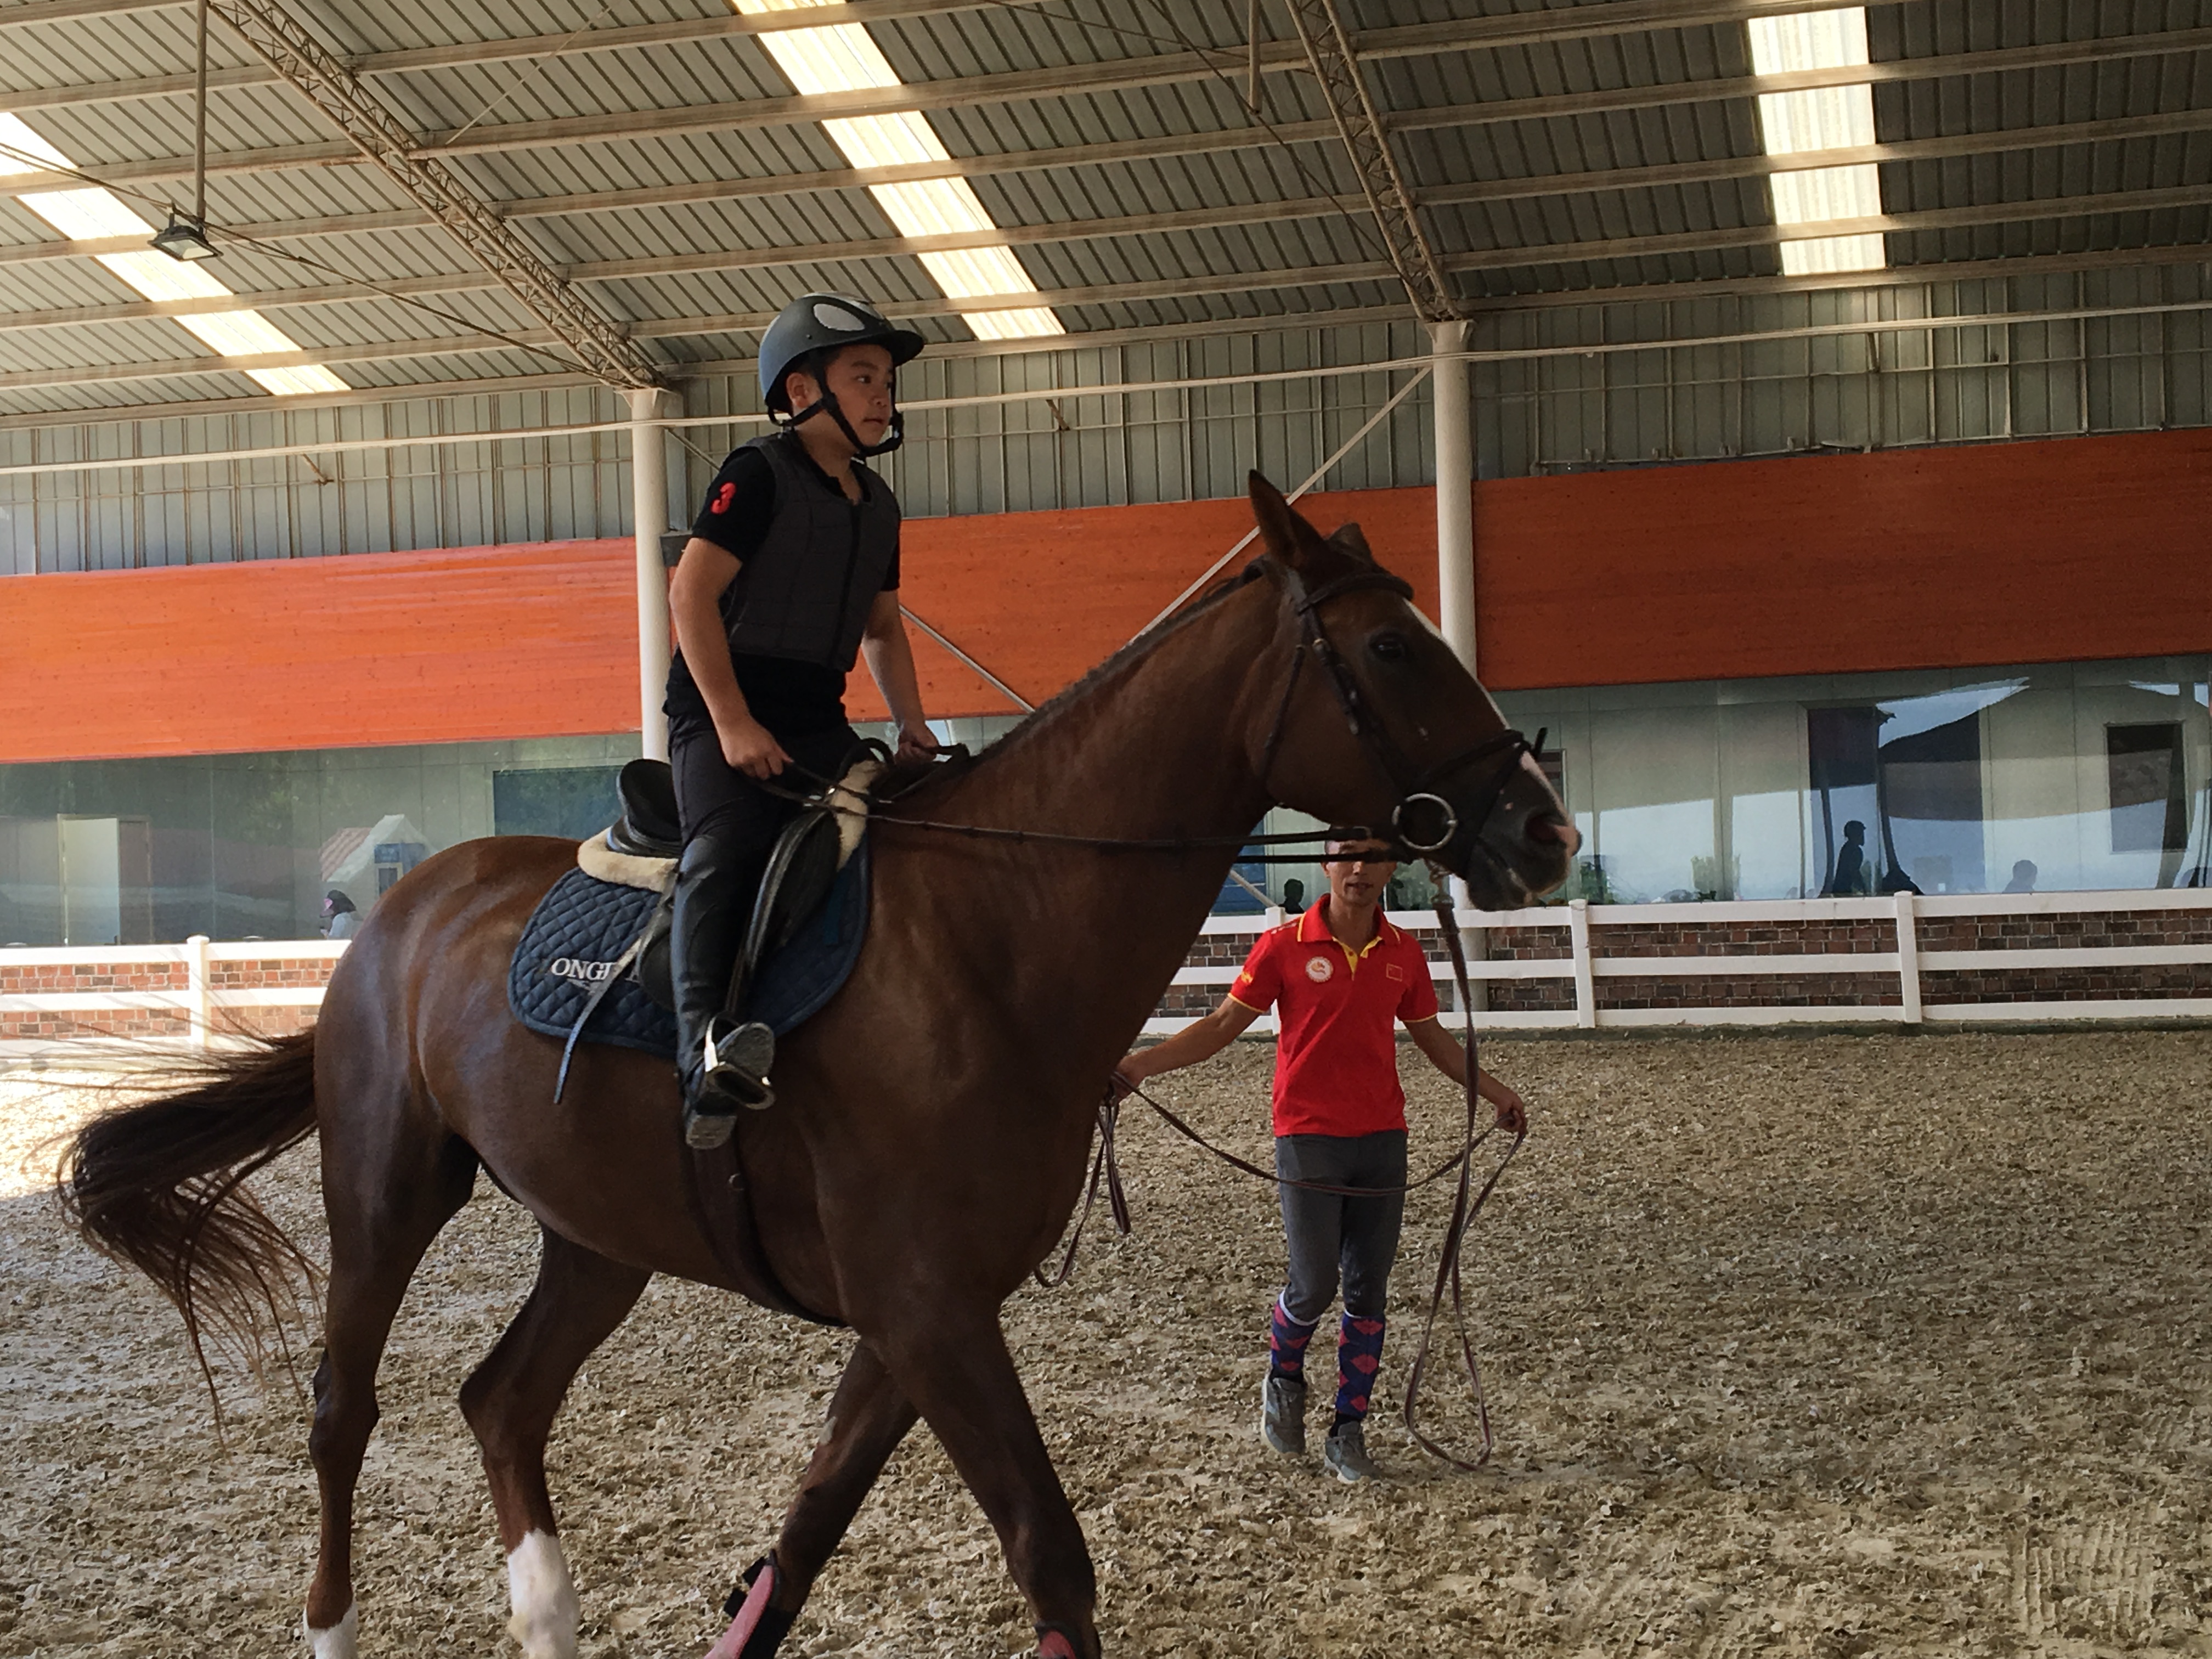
pixel 1286 1343
pixel 1358 1357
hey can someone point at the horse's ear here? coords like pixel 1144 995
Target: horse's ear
pixel 1288 536
pixel 1348 539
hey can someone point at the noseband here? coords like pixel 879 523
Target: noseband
pixel 1423 821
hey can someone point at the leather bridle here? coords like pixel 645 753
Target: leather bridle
pixel 1422 821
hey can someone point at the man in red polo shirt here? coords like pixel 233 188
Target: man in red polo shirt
pixel 1341 978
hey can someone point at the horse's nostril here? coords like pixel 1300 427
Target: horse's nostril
pixel 1543 826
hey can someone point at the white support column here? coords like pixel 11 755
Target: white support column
pixel 1455 437
pixel 1908 957
pixel 1454 489
pixel 648 476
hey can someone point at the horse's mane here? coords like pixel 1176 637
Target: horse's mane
pixel 1047 716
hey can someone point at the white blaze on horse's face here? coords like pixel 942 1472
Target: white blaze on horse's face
pixel 543 1599
pixel 340 1641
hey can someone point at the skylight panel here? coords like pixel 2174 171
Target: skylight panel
pixel 1814 120
pixel 91 214
pixel 1821 256
pixel 1809 40
pixel 844 58
pixel 1817 193
pixel 1821 117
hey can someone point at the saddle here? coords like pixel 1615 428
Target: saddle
pixel 641 848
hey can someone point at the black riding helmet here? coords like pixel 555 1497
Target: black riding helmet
pixel 820 323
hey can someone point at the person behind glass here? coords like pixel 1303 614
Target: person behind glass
pixel 2024 873
pixel 1339 977
pixel 792 572
pixel 344 919
pixel 1848 878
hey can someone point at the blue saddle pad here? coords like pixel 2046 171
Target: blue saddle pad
pixel 569 945
pixel 583 926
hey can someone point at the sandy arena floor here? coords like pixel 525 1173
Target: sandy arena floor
pixel 1819 1346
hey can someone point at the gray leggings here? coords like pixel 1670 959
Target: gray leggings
pixel 1328 1234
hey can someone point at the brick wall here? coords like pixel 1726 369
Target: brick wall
pixel 57 1024
pixel 166 980
pixel 2095 929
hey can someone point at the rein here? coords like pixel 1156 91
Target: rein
pixel 1415 788
pixel 1467 1204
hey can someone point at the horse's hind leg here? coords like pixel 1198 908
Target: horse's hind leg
pixel 388 1186
pixel 954 1365
pixel 511 1400
pixel 868 1418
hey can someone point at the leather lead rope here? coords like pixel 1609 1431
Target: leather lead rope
pixel 1455 1230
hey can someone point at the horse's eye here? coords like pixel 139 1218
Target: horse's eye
pixel 1390 648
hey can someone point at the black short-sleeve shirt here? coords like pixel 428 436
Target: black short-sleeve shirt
pixel 789 698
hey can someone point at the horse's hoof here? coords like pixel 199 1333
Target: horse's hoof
pixel 1053 1642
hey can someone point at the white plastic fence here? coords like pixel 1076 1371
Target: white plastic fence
pixel 1905 962
pixel 201 1003
pixel 199 1000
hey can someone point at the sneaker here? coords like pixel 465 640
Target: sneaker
pixel 1346 1453
pixel 1283 1414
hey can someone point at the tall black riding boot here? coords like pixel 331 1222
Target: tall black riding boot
pixel 722 1070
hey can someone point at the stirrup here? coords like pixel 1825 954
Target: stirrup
pixel 734 1066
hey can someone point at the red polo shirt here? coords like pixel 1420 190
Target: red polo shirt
pixel 1336 1061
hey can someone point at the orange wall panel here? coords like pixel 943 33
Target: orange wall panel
pixel 2070 549
pixel 2067 549
pixel 517 641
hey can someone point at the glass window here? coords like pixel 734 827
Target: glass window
pixel 1931 793
pixel 1843 758
pixel 573 802
pixel 2144 773
pixel 1652 779
pixel 251 846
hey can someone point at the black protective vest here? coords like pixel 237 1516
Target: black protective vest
pixel 806 594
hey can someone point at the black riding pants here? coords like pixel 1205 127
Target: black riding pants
pixel 713 795
pixel 1330 1235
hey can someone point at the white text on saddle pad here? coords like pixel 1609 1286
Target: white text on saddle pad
pixel 575 968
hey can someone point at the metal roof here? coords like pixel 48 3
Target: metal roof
pixel 656 160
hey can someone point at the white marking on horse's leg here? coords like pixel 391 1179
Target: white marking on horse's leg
pixel 543 1599
pixel 340 1641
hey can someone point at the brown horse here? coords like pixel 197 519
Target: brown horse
pixel 929 1139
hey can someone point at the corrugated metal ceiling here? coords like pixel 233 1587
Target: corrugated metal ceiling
pixel 682 235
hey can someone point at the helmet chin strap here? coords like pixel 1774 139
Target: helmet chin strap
pixel 827 401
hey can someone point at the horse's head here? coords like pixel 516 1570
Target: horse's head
pixel 1370 717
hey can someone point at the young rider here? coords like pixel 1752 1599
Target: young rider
pixel 791 570
pixel 1340 976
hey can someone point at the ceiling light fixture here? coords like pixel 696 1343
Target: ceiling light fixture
pixel 184 239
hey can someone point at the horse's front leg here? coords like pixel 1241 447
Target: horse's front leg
pixel 868 1418
pixel 951 1361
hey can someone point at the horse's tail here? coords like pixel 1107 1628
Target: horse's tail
pixel 160 1184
